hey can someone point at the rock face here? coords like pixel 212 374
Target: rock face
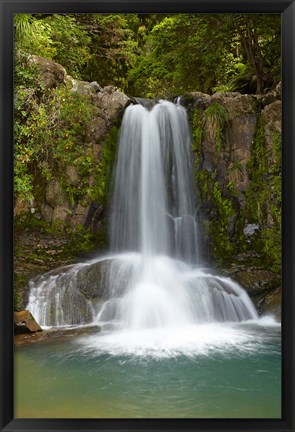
pixel 237 141
pixel 24 322
pixel 107 107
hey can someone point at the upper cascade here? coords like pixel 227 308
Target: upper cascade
pixel 153 208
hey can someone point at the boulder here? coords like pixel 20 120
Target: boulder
pixel 81 87
pixel 92 279
pixel 61 212
pixel 52 74
pixel 73 176
pixel 95 130
pixel 24 322
pixel 79 215
pixel 54 194
pixel 112 102
pixel 257 281
pixel 47 212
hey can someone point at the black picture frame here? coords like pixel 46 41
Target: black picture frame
pixel 287 10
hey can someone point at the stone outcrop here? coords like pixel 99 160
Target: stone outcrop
pixel 52 74
pixel 24 322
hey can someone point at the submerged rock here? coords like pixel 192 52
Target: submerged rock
pixel 24 322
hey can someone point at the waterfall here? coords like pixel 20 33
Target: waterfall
pixel 152 277
pixel 153 206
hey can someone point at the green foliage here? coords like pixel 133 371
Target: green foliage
pixel 56 37
pixel 215 119
pixel 156 55
pixel 208 53
pixel 70 41
pixel 47 135
pixel 113 48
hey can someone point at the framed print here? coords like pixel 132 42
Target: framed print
pixel 147 208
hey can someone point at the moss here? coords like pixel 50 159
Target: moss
pixel 197 131
pixel 263 200
pixel 217 215
pixel 20 281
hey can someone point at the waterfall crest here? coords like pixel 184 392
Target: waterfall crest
pixel 152 279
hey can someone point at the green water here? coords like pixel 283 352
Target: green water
pixel 60 379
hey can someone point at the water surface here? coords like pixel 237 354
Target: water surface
pixel 233 372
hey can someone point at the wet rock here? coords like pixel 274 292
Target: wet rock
pixel 24 322
pixel 271 115
pixel 53 334
pixel 270 304
pixel 92 280
pixel 257 281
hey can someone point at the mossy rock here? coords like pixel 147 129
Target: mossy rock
pixel 263 287
pixel 257 281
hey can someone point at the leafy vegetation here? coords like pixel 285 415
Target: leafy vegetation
pixel 58 116
pixel 156 55
pixel 215 118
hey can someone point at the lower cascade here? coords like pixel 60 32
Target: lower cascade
pixel 152 278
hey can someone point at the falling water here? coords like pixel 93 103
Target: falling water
pixel 153 207
pixel 152 278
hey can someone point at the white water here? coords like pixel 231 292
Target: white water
pixel 152 289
